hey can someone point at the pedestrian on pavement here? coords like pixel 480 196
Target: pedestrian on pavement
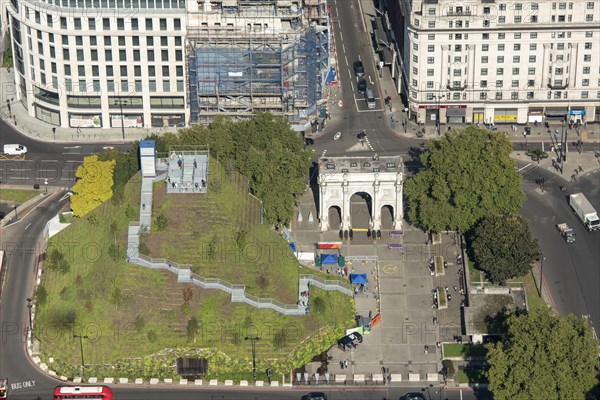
pixel 345 363
pixel 438 344
pixel 144 206
pixel 341 364
pixel 426 348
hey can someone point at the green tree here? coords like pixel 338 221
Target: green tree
pixel 126 165
pixel 192 328
pixel 94 185
pixel 162 222
pixel 318 304
pixel 503 247
pixel 140 323
pixel 467 175
pixel 543 357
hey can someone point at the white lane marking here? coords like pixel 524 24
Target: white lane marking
pixel 352 84
pixel 344 48
pixel 346 58
pixel 341 36
pixel 349 74
pixel 72 147
pixel 370 80
pixel 28 226
pixel 520 169
pixel 49 161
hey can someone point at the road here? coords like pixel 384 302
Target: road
pixel 572 270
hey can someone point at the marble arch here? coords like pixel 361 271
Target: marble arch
pixel 379 177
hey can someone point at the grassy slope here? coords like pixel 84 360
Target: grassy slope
pixel 17 195
pixel 157 298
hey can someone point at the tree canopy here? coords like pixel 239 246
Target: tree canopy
pixel 503 247
pixel 94 185
pixel 543 357
pixel 467 175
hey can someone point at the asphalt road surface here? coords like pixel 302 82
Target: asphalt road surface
pixel 572 271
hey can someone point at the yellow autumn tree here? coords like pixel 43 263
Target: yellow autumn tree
pixel 94 185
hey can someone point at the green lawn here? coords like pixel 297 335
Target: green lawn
pixel 534 300
pixel 129 312
pixel 17 195
pixel 453 350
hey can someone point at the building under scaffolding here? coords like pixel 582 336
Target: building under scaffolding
pixel 247 56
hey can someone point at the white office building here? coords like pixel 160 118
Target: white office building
pixel 499 61
pixel 135 63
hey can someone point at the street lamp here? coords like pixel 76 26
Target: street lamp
pixel 120 103
pixel 437 121
pixel 253 340
pixel 46 184
pixel 29 307
pixel 81 337
pixel 16 215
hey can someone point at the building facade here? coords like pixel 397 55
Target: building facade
pixel 502 61
pixel 159 63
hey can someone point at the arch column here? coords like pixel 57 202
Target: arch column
pixel 323 207
pixel 376 219
pixel 345 204
pixel 398 212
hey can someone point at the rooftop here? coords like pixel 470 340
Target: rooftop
pixel 361 164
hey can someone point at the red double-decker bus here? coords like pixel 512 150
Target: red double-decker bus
pixel 83 392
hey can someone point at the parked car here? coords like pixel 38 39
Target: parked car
pixel 359 69
pixel 356 337
pixel 309 141
pixel 362 85
pixel 370 96
pixel 350 341
pixel 315 396
pixel 413 396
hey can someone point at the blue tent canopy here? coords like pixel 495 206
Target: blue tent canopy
pixel 358 278
pixel 331 76
pixel 293 246
pixel 329 258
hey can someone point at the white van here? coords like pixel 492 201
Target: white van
pixel 14 149
pixel 370 96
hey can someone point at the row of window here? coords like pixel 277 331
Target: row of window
pixel 500 95
pixel 108 40
pixel 500 47
pixel 502 19
pixel 108 24
pixel 499 59
pixel 119 4
pixel 466 10
pixel 500 71
pixel 110 70
pixel 499 83
pixel 502 36
pixel 123 86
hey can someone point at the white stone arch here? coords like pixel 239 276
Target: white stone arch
pixel 356 191
pixel 339 209
pixel 379 177
pixel 392 211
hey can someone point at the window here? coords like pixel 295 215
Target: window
pixel 499 71
pixel 483 84
pixel 499 83
pixel 79 40
pixel 121 40
pixel 108 55
pixel 120 24
pixel 584 94
pixel 587 57
pixel 166 85
pixel 163 24
pixel 150 55
pixel 589 5
pixel 514 83
pixel 415 58
pixel 516 47
pixel 501 36
pixel 77 23
pixel 65 40
pixel 165 55
pixel 151 70
pixel 485 47
pixel 498 95
pixel 430 72
pixel 179 70
pixel 486 23
pixel 82 86
pixel 485 36
pixel 501 19
pixel 557 95
pixel 152 85
pixel 588 46
pixel 107 40
pixel 149 41
pixel 482 95
pixel 49 20
pixel 148 24
pixel 177 24
pixel 415 71
pixel 431 37
pixel 80 55
pixel 514 95
pixel 484 71
pixel 124 86
pixel 533 18
pixel 429 96
pixel 500 47
pixel 484 59
pixel 500 59
pixel 94 55
pixel 165 70
pixel 110 85
pixel 431 11
pixel 63 23
pixel 430 24
pixel 531 59
pixel 531 71
pixel 137 70
pixel 164 41
pixel 529 95
pixel 515 71
pixel 122 55
pixel 52 52
pixel 123 70
pixel 586 70
pixel 430 48
pixel 517 19
pixel 558 71
pixel 589 17
pixel 95 70
pixel 177 40
pixel 136 55
pixel 456 72
pixel 178 55
pixel 516 59
pixel 430 60
pixel 533 46
pixel 135 40
pixel 585 82
pixel 429 84
pixel 93 41
pixel 106 24
pixel 135 24
pixel 457 59
pixel 560 46
pixel 138 85
pixel 110 70
pixel 68 70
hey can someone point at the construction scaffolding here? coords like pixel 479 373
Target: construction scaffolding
pixel 238 69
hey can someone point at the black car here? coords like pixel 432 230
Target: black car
pixel 315 396
pixel 309 141
pixel 359 69
pixel 413 396
pixel 362 85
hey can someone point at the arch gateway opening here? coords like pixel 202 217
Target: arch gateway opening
pixel 360 192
